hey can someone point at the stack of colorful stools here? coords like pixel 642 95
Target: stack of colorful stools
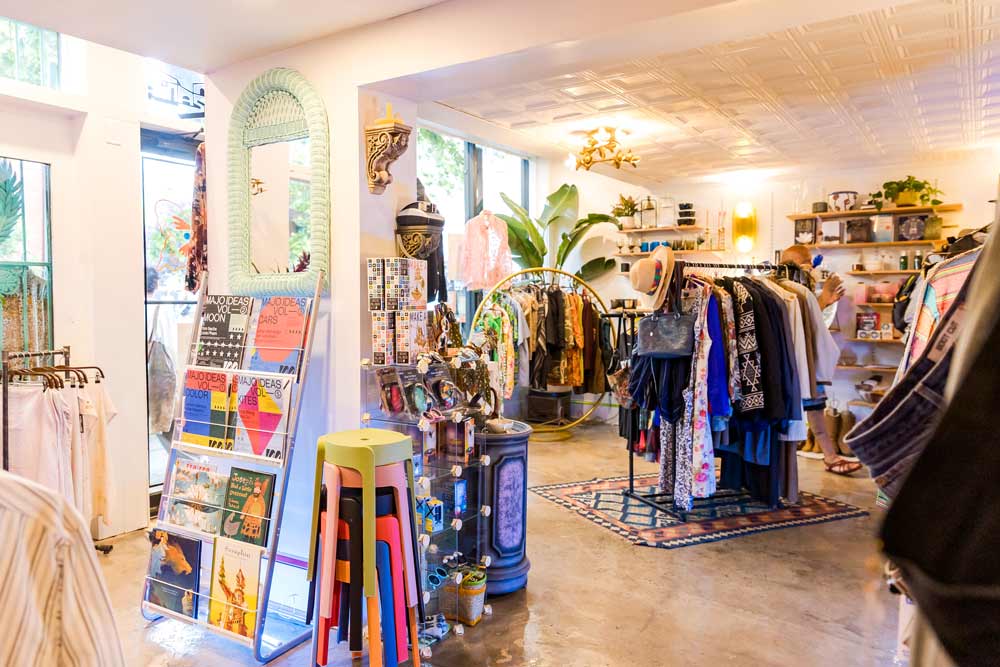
pixel 367 545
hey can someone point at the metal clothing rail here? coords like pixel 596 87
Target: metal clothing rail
pixel 664 502
pixel 7 358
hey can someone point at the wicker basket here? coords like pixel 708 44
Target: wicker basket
pixel 463 604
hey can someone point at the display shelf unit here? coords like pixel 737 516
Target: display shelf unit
pixel 435 466
pixel 877 341
pixel 677 229
pixel 282 619
pixel 884 272
pixel 893 210
pixel 875 244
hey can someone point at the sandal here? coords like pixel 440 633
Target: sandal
pixel 842 467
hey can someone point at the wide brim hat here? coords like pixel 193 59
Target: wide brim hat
pixel 651 275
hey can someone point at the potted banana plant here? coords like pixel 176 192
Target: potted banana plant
pixel 526 236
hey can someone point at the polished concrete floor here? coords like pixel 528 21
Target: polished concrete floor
pixel 800 596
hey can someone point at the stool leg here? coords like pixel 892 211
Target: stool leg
pixel 374 632
pixel 354 534
pixel 387 532
pixel 414 637
pixel 387 603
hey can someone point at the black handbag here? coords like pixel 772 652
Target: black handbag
pixel 668 335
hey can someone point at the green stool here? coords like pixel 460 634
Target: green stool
pixel 362 450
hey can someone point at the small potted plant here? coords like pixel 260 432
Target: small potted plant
pixel 908 192
pixel 625 211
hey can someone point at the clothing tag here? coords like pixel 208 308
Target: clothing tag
pixel 947 335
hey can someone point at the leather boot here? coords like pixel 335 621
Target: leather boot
pixel 831 419
pixel 847 421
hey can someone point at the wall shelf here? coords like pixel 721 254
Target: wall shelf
pixel 870 369
pixel 681 229
pixel 676 252
pixel 904 210
pixel 875 305
pixel 875 244
pixel 877 341
pixel 897 272
pixel 862 404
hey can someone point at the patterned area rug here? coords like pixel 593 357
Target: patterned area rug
pixel 726 515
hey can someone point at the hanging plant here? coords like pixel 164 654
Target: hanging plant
pixel 11 200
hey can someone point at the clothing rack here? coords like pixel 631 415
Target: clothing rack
pixel 8 359
pixel 663 501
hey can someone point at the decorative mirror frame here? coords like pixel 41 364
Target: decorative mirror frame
pixel 243 280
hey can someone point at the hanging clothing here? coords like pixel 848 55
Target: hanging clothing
pixel 486 258
pixel 197 248
pixel 54 591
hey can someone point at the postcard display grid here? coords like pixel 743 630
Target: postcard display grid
pixel 215 559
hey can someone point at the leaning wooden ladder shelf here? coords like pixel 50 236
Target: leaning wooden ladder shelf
pixel 279 624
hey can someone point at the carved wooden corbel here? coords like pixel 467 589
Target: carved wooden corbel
pixel 385 140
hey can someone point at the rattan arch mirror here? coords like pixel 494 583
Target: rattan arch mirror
pixel 279 187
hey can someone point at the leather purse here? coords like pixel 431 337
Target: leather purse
pixel 667 335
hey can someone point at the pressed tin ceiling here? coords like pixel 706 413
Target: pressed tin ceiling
pixel 914 82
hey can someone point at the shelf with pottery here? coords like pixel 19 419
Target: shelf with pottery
pixel 884 272
pixel 886 210
pixel 676 252
pixel 691 229
pixel 871 368
pixel 875 244
pixel 877 341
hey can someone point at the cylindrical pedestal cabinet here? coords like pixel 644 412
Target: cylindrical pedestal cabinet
pixel 503 534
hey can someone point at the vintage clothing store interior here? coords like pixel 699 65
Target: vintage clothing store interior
pixel 451 333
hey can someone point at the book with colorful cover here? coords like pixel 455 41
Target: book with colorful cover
pixel 277 335
pixel 234 589
pixel 248 506
pixel 258 417
pixel 198 482
pixel 194 516
pixel 206 409
pixel 174 568
pixel 222 334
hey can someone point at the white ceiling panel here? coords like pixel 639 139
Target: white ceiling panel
pixel 911 82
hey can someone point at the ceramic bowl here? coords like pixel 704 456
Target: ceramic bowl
pixel 843 200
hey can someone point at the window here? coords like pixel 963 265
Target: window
pixel 25 259
pixel 462 178
pixel 29 54
pixel 167 192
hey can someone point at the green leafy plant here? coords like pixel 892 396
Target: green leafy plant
pixel 527 236
pixel 625 207
pixel 11 200
pixel 891 191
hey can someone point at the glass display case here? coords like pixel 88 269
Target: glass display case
pixel 448 488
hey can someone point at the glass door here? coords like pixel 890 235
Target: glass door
pixel 167 191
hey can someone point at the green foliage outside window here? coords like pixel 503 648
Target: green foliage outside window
pixel 29 54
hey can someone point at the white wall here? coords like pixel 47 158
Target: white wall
pixel 91 140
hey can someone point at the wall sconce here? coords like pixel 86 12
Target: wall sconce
pixel 385 140
pixel 744 227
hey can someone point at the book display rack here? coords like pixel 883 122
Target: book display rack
pixel 218 557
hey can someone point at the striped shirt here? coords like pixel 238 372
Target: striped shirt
pixel 54 606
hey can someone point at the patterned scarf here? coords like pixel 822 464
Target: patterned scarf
pixel 749 353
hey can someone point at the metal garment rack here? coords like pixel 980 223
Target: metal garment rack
pixel 7 359
pixel 266 647
pixel 664 502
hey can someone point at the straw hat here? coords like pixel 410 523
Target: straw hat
pixel 651 275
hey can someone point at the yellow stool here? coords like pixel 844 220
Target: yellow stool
pixel 364 450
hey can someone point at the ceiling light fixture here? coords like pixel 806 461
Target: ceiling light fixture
pixel 602 146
